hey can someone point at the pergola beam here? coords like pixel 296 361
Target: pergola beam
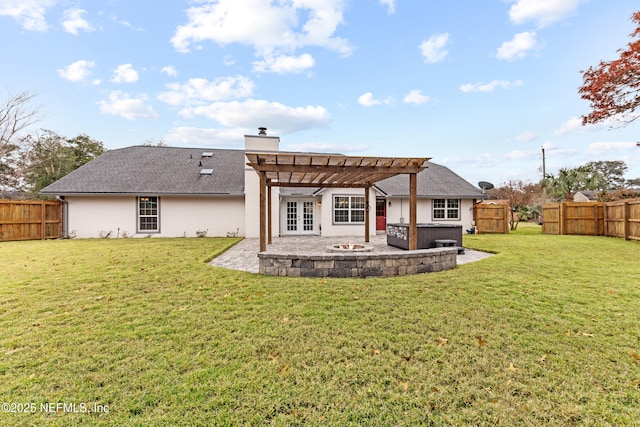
pixel 391 170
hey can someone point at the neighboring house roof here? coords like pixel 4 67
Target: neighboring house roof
pixel 12 195
pixel 436 181
pixel 495 202
pixel 585 196
pixel 172 170
pixel 157 170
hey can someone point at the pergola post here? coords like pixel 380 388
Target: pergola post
pixel 366 214
pixel 263 217
pixel 270 238
pixel 413 201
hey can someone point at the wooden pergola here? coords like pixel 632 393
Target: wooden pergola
pixel 331 171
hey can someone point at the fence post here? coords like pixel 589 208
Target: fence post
pixel 43 220
pixel 505 213
pixel 627 220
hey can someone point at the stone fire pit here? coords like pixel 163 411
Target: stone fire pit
pixel 349 248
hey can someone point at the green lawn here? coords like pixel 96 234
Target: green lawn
pixel 547 332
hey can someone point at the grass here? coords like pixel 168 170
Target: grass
pixel 547 332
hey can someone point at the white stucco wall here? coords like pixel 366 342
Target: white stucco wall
pixel 89 216
pixel 326 214
pixel 255 144
pixel 400 209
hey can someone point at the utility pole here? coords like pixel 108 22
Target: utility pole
pixel 544 167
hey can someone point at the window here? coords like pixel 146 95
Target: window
pixel 148 214
pixel 348 209
pixel 446 208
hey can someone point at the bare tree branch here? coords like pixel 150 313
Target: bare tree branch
pixel 16 114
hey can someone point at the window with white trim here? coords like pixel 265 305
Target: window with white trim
pixel 148 216
pixel 348 209
pixel 446 208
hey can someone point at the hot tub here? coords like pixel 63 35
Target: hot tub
pixel 428 233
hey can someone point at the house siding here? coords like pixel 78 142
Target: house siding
pixel 326 213
pixel 95 216
pixel 399 209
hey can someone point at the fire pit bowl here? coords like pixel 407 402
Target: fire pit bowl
pixel 349 248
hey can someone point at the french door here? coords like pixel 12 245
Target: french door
pixel 299 217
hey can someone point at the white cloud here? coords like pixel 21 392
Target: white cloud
pixel 278 117
pixel 569 126
pixel 599 148
pixel 284 64
pixel 198 91
pixel 518 47
pixel 324 147
pixel 124 23
pixel 125 73
pixel 121 104
pixel 491 86
pixel 391 6
pixel 433 50
pixel 542 12
pixel 271 28
pixel 170 71
pixel 527 136
pixel 416 97
pixel 77 71
pixel 574 124
pixel 191 136
pixel 521 155
pixel 367 100
pixel 29 13
pixel 73 21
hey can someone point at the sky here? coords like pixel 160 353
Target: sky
pixel 478 86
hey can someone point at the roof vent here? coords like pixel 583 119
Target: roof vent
pixel 206 171
pixel 207 154
pixel 262 131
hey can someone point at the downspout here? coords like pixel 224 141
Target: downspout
pixel 65 216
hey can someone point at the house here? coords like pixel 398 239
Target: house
pixel 184 192
pixel 586 196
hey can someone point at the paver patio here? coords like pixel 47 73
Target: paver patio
pixel 244 255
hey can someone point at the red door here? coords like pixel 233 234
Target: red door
pixel 381 214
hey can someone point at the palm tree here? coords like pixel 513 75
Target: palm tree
pixel 569 181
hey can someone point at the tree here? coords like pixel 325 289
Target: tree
pixel 16 115
pixel 48 157
pixel 611 173
pixel 569 181
pixel 613 87
pixel 518 195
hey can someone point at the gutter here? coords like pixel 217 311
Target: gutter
pixel 65 216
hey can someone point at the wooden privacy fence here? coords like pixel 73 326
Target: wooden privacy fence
pixel 491 218
pixel 29 219
pixel 613 219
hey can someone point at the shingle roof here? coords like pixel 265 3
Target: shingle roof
pixel 435 181
pixel 156 170
pixel 174 170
